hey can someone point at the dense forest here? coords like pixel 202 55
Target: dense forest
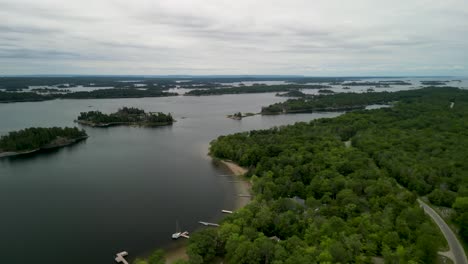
pixel 36 138
pixel 258 88
pixel 344 101
pixel 125 115
pixel 344 190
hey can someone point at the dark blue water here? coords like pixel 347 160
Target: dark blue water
pixel 124 187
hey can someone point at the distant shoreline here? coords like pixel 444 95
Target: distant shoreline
pixel 91 124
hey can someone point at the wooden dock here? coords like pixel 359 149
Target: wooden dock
pixel 185 235
pixel 120 258
pixel 207 223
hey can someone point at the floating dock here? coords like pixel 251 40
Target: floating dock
pixel 185 235
pixel 207 223
pixel 226 211
pixel 120 258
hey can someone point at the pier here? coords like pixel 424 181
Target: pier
pixel 120 258
pixel 207 223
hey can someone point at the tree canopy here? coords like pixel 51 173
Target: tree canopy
pixel 319 200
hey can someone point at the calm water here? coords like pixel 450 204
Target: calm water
pixel 124 187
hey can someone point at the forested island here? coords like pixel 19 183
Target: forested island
pixel 344 101
pixel 255 89
pixel 9 97
pixel 34 139
pixel 320 199
pixel 434 82
pixel 292 93
pixel 239 115
pixel 124 116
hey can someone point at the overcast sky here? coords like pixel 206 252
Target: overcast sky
pixel 307 37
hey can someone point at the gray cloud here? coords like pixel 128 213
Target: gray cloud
pixel 319 37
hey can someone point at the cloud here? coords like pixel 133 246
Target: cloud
pixel 361 37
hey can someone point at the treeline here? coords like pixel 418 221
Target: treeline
pixel 345 101
pixel 256 89
pixel 36 138
pixel 319 201
pixel 20 83
pixel 292 93
pixel 116 93
pixel 125 115
pixel 7 97
pixel 377 84
pixel 434 82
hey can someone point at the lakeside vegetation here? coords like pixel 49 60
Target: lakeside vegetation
pixel 35 138
pixel 125 116
pixel 344 101
pixel 255 89
pixel 319 200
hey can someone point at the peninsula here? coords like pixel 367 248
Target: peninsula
pixel 125 116
pixel 34 139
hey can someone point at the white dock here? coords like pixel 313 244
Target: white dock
pixel 121 257
pixel 207 223
pixel 185 235
pixel 226 211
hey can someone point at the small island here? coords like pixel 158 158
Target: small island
pixel 34 139
pixel 292 93
pixel 125 116
pixel 239 115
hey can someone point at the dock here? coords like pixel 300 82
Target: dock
pixel 185 235
pixel 207 223
pixel 245 195
pixel 226 211
pixel 120 258
pixel 226 175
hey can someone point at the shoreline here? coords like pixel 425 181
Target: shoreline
pixel 242 187
pixel 133 124
pixel 45 147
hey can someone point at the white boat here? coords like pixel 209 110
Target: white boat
pixel 176 235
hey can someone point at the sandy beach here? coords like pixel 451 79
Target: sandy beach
pixel 242 187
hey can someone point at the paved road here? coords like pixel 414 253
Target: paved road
pixel 456 248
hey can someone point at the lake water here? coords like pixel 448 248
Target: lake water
pixel 123 188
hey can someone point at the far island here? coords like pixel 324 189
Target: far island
pixel 239 115
pixel 34 139
pixel 125 116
